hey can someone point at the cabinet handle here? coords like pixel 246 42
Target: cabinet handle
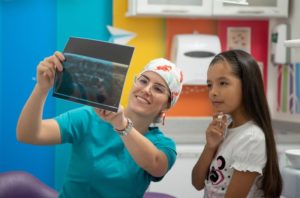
pixel 250 12
pixel 188 155
pixel 175 11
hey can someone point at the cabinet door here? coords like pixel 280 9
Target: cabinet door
pixel 255 8
pixel 178 182
pixel 174 7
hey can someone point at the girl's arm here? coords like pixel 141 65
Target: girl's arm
pixel 214 136
pixel 240 184
pixel 201 168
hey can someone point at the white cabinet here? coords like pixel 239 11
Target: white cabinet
pixel 178 181
pixel 183 8
pixel 255 8
pixel 208 8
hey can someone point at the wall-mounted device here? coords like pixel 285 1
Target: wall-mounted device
pixel 193 54
pixel 280 53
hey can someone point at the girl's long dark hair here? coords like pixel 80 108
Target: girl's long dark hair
pixel 255 103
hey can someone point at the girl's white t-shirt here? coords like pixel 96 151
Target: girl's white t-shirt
pixel 243 149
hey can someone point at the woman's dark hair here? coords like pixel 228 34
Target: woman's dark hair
pixel 255 103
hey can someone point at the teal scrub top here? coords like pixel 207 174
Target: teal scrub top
pixel 100 164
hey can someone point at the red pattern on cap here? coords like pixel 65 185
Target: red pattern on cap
pixel 164 67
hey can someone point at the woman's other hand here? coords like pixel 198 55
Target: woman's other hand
pixel 117 119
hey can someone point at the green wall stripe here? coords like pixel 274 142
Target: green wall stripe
pixel 86 19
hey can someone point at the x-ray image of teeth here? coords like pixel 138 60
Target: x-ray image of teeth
pixel 91 81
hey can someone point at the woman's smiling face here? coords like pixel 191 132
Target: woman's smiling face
pixel 150 96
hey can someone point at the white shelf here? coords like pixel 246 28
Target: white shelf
pixel 291 119
pixel 292 43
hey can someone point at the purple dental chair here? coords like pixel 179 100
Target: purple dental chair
pixel 18 184
pixel 157 195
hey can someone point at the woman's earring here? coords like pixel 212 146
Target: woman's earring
pixel 163 116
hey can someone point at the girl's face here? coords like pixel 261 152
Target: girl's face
pixel 149 95
pixel 224 88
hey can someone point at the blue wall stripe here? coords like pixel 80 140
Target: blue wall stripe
pixel 1 108
pixel 28 34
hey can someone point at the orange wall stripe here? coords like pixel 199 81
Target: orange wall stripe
pixel 193 101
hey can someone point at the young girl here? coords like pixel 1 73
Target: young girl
pixel 239 158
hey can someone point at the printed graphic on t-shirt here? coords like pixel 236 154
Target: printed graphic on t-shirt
pixel 216 173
